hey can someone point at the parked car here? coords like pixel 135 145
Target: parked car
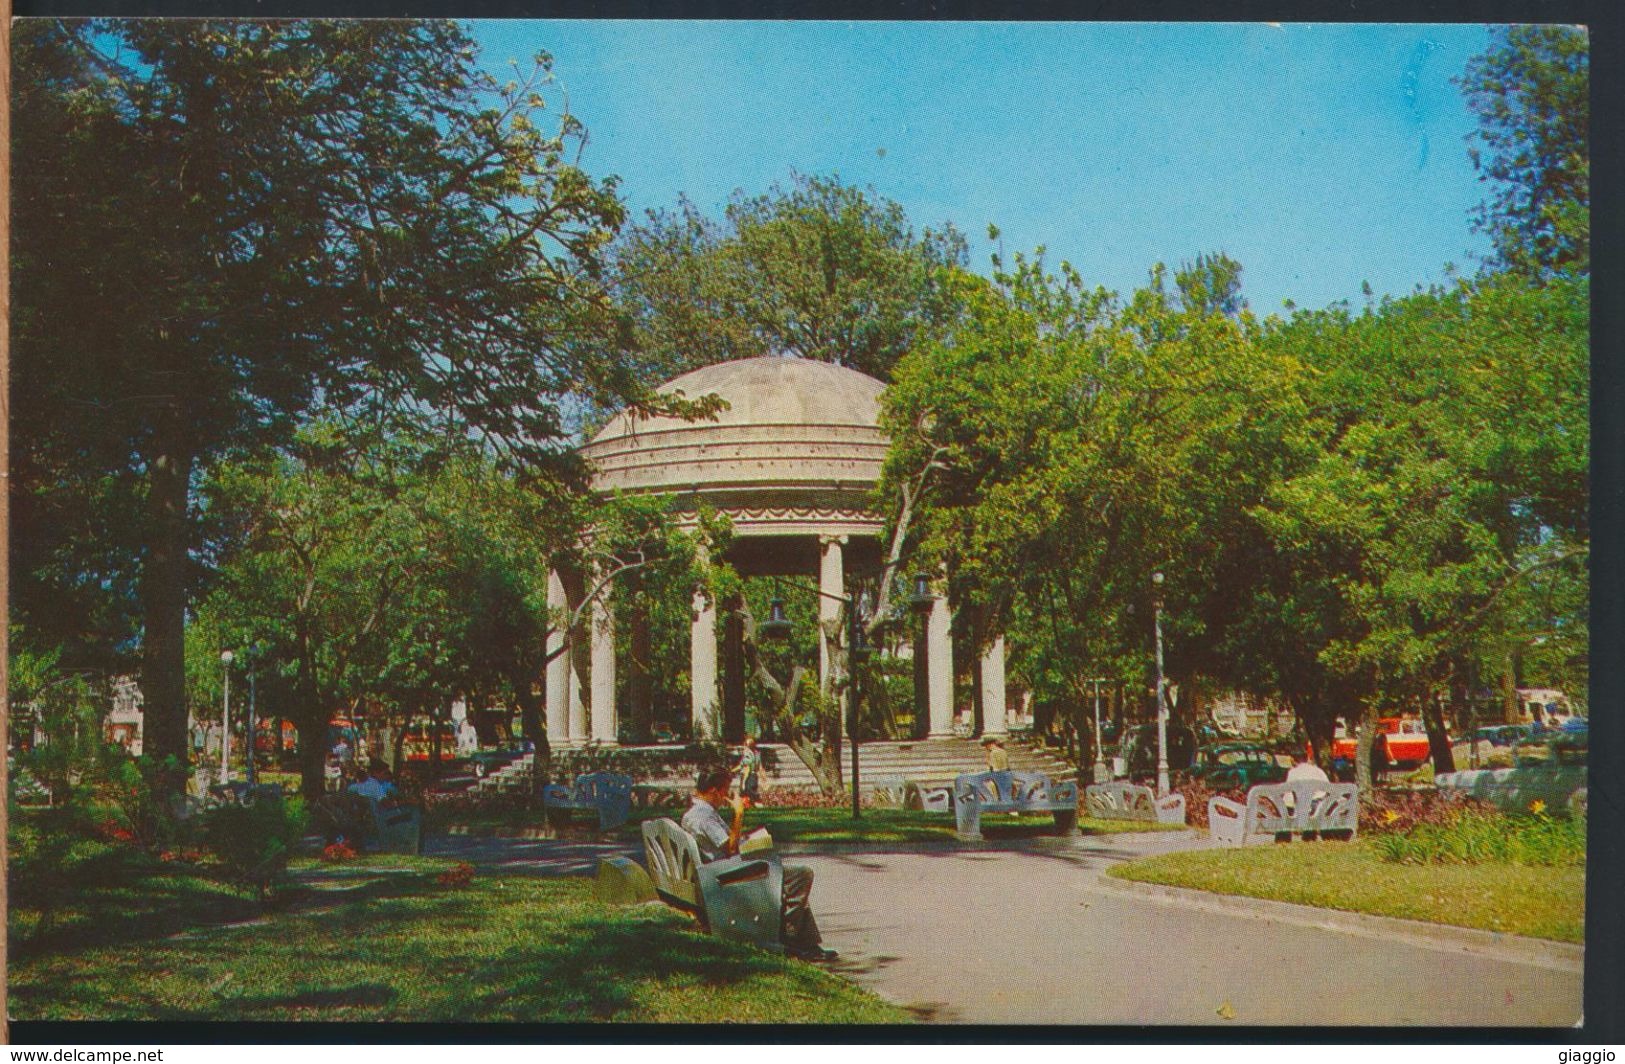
pixel 1502 734
pixel 1237 764
pixel 1403 744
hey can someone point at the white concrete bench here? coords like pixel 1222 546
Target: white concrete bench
pixel 1132 801
pixel 1552 782
pixel 734 897
pixel 932 797
pixel 1276 811
pixel 609 794
pixel 1012 792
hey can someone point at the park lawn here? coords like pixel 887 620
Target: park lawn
pixel 382 939
pixel 790 825
pixel 1540 902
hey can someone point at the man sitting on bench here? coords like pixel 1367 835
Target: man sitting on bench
pixel 717 840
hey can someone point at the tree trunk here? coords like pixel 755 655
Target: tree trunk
pixel 639 682
pixel 1511 712
pixel 1366 736
pixel 312 724
pixel 823 762
pixel 1444 759
pixel 163 594
pixel 532 719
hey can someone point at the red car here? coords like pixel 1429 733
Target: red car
pixel 1404 738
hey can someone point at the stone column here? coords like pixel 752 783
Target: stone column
pixel 558 670
pixel 702 668
pixel 603 670
pixel 939 664
pixel 993 711
pixel 831 581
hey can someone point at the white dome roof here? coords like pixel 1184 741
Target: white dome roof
pixel 796 435
pixel 769 391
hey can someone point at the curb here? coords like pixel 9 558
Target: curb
pixel 1517 949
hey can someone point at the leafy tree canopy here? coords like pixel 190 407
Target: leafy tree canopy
pixel 1531 93
pixel 818 269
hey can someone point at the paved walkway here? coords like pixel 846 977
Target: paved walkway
pixel 1027 935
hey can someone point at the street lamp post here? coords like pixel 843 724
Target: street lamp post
pixel 252 722
pixel 226 658
pixel 1162 695
pixel 1101 772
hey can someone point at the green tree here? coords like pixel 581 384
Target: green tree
pixel 1448 490
pixel 818 269
pixel 1531 93
pixel 266 213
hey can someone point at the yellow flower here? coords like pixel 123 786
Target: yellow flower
pixel 1537 806
pixel 1389 816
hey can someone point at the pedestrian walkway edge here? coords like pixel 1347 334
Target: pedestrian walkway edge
pixel 1517 949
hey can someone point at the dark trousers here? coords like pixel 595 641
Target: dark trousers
pixel 800 929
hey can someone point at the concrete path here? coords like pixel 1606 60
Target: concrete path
pixel 1028 937
pixel 1028 934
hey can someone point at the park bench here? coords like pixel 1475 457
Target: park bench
pixel 1012 792
pixel 932 797
pixel 1547 773
pixel 609 794
pixel 734 897
pixel 1279 811
pixel 372 825
pixel 238 792
pixel 1132 801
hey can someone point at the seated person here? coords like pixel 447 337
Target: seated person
pixel 377 786
pixel 717 840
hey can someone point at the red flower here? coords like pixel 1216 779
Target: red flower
pixel 336 852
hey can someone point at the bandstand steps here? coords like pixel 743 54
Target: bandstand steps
pixel 930 761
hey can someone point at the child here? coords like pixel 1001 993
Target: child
pixel 748 772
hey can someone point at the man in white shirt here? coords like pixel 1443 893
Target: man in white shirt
pixel 718 839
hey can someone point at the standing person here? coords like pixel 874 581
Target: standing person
pixel 998 758
pixel 749 771
pixel 718 839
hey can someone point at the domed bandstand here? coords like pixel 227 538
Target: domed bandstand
pixel 792 461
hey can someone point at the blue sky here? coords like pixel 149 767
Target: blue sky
pixel 1319 156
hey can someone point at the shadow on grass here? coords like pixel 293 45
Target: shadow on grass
pixel 135 906
pixel 606 967
pixel 403 947
pixel 127 901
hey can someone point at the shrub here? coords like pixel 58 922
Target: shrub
pixel 807 798
pixel 1475 837
pixel 254 842
pixel 133 792
pixel 1396 812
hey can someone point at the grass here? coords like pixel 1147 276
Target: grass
pixel 381 939
pixel 789 825
pixel 1541 902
